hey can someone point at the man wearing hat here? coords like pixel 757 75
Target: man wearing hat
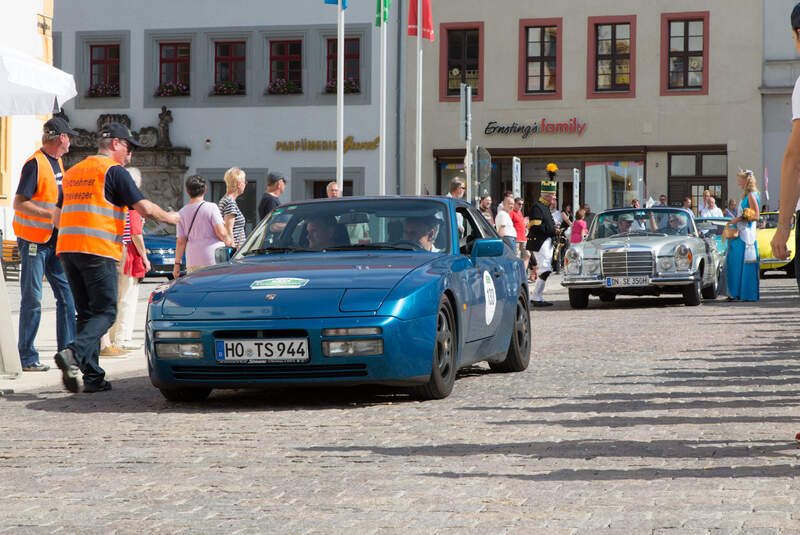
pixel 34 208
pixel 276 183
pixel 541 236
pixel 96 194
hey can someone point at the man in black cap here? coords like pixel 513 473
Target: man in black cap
pixel 540 239
pixel 34 207
pixel 276 183
pixel 97 192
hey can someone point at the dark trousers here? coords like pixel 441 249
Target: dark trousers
pixel 93 280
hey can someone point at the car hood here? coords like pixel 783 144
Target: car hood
pixel 291 286
pixel 157 241
pixel 662 245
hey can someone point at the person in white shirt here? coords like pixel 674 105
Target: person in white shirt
pixel 790 178
pixel 503 222
pixel 710 208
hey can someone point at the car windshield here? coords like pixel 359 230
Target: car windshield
pixel 711 227
pixel 352 225
pixel 156 228
pixel 770 220
pixel 659 221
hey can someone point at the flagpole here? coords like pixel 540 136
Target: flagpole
pixel 340 99
pixel 382 132
pixel 418 186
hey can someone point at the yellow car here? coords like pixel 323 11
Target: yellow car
pixel 767 223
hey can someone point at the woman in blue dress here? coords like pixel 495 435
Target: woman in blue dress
pixel 742 262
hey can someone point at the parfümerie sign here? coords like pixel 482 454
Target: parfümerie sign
pixel 545 126
pixel 304 144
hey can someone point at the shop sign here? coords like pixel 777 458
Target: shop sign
pixel 324 145
pixel 543 127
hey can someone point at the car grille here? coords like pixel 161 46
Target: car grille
pixel 250 372
pixel 627 263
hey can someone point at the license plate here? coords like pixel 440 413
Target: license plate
pixel 615 282
pixel 272 350
pixel 169 260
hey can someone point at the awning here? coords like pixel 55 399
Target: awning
pixel 29 86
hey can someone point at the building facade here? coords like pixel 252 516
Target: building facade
pixel 246 84
pixel 640 97
pixel 781 68
pixel 27 27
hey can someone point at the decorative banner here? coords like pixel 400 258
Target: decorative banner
pixel 323 145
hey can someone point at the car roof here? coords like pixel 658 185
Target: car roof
pixel 436 198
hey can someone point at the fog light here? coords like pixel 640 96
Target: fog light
pixel 352 331
pixel 666 264
pixel 178 334
pixel 179 351
pixel 352 348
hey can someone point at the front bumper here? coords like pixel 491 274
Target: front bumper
pixel 406 360
pixel 661 280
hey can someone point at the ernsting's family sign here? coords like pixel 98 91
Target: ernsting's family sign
pixel 543 127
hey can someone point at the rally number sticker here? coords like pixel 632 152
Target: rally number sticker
pixel 491 296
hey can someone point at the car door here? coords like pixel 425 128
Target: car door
pixel 485 294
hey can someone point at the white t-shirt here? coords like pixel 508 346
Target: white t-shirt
pixel 706 212
pixel 505 227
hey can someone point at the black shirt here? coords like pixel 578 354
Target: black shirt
pixel 268 203
pixel 29 183
pixel 542 226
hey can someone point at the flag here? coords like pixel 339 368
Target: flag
pixel 766 183
pixel 336 3
pixel 427 19
pixel 383 9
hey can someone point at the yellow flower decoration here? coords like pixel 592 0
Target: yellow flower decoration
pixel 552 168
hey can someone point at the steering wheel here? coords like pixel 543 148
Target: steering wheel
pixel 414 245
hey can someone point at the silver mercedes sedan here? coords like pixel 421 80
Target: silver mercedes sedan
pixel 643 251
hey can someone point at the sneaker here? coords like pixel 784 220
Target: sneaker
pixel 113 351
pixel 541 303
pixel 38 367
pixel 102 387
pixel 65 360
pixel 130 346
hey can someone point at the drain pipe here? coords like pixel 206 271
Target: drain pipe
pixel 400 117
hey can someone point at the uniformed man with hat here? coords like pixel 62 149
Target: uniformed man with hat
pixel 97 192
pixel 541 235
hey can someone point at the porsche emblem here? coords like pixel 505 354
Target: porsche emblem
pixel 270 297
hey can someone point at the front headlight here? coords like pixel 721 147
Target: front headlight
pixel 572 262
pixel 683 257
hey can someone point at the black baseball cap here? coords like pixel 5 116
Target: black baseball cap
pixel 56 126
pixel 275 177
pixel 119 131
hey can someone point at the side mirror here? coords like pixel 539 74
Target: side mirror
pixel 223 254
pixel 487 248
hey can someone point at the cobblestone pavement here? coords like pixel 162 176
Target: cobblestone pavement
pixel 640 416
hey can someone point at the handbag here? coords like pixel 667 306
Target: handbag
pixel 730 232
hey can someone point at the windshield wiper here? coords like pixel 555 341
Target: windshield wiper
pixel 275 250
pixel 380 246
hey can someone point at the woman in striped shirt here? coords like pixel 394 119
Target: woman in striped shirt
pixel 235 182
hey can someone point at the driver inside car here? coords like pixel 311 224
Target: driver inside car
pixel 321 230
pixel 624 223
pixel 422 231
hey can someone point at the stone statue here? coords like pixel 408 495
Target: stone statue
pixel 164 118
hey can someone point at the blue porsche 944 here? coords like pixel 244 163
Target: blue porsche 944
pixel 399 291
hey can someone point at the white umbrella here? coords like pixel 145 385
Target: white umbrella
pixel 29 86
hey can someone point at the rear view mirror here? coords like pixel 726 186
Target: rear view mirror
pixel 223 254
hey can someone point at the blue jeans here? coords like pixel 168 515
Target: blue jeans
pixel 93 280
pixel 33 268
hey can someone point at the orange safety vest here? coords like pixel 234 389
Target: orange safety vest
pixel 37 229
pixel 89 223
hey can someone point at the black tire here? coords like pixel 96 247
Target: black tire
pixel 169 277
pixel 608 297
pixel 712 292
pixel 691 294
pixel 185 394
pixel 790 269
pixel 762 273
pixel 443 368
pixel 578 298
pixel 519 348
